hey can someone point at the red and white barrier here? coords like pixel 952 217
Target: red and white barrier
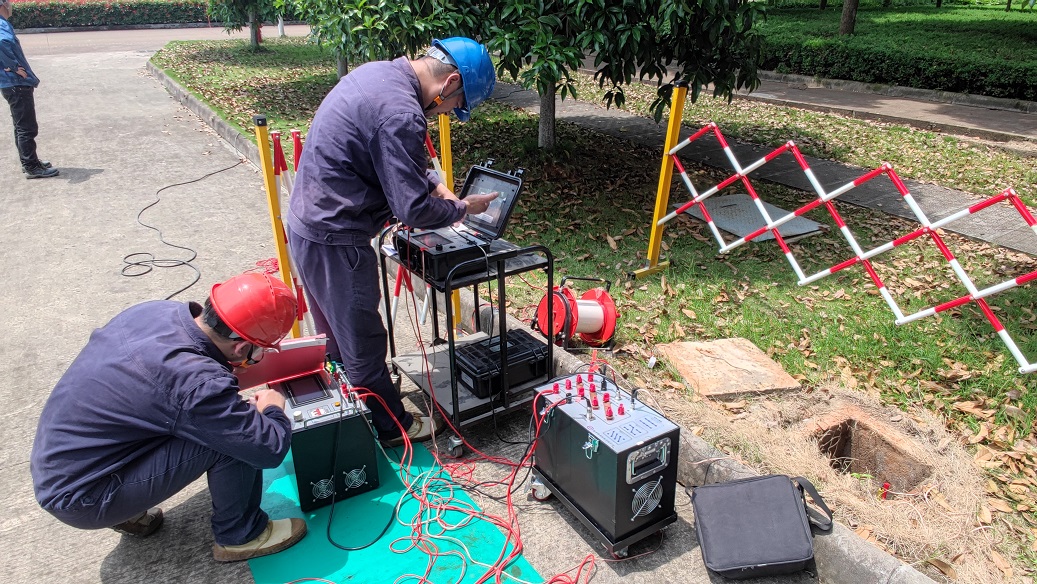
pixel 825 199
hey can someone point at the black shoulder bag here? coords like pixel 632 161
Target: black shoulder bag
pixel 760 526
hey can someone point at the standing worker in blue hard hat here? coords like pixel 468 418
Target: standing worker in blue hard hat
pixel 151 403
pixel 365 161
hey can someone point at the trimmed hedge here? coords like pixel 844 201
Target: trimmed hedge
pixel 129 13
pixel 835 58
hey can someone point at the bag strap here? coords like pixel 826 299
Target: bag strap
pixel 822 522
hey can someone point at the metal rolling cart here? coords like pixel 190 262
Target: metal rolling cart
pixel 437 378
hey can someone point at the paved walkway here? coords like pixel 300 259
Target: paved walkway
pixel 971 115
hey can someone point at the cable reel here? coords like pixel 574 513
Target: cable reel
pixel 592 317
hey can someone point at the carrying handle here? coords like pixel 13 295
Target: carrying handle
pixel 608 284
pixel 824 523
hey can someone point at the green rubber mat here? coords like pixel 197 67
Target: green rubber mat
pixel 359 519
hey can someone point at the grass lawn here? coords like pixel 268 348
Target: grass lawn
pixel 952 31
pixel 591 203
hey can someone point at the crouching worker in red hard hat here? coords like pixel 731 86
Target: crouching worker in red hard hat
pixel 151 403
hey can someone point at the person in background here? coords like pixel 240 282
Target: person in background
pixel 364 162
pixel 151 403
pixel 17 84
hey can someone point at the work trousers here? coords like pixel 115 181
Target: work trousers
pixel 236 489
pixel 23 114
pixel 341 282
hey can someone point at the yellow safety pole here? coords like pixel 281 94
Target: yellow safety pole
pixel 662 193
pixel 448 170
pixel 266 164
pixel 444 150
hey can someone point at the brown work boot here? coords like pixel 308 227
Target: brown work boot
pixel 142 525
pixel 280 534
pixel 420 430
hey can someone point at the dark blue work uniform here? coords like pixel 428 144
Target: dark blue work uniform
pixel 148 406
pixel 364 161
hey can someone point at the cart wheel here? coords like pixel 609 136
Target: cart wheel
pixel 455 446
pixel 539 491
pixel 619 554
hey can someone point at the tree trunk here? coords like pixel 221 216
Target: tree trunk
pixel 253 29
pixel 546 135
pixel 824 4
pixel 343 66
pixel 280 25
pixel 849 17
pixel 887 3
pixel 939 3
pixel 1008 8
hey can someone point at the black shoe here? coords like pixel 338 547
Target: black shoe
pixel 45 163
pixel 40 171
pixel 142 525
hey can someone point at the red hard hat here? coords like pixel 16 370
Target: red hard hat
pixel 258 307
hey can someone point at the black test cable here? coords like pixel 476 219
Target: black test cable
pixel 518 484
pixel 486 259
pixel 530 443
pixel 134 268
pixel 493 315
pixel 334 473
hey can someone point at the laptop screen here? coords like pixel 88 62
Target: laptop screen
pixel 481 180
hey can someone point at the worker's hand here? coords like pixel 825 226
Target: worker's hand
pixel 21 73
pixel 442 192
pixel 475 204
pixel 266 397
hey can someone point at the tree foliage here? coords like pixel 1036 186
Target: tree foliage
pixel 542 43
pixel 237 14
pixel 358 31
pixel 701 42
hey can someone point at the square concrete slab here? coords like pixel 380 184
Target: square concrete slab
pixel 727 368
pixel 738 214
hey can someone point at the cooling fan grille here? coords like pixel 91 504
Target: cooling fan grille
pixel 356 477
pixel 647 498
pixel 323 488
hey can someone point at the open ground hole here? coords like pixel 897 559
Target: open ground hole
pixel 854 447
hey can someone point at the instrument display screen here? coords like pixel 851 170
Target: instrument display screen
pixel 308 389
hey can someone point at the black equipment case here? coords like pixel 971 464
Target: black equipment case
pixel 479 363
pixel 758 526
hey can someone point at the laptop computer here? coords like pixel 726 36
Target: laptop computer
pixel 433 253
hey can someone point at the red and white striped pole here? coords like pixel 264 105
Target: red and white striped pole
pixel 280 167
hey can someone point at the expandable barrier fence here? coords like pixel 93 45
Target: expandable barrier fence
pixel 861 256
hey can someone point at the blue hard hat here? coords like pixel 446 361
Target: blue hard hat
pixel 473 62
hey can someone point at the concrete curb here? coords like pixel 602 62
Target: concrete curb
pixel 49 29
pixel 901 91
pixel 841 555
pixel 160 26
pixel 232 136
